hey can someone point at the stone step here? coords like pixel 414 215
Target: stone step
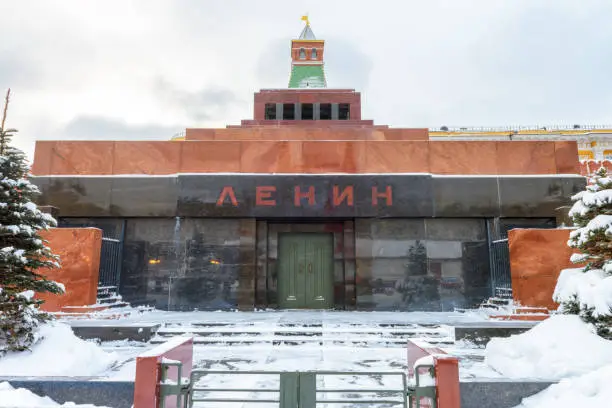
pixel 300 340
pixel 242 332
pixel 110 299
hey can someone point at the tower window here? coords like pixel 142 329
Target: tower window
pixel 307 111
pixel 270 111
pixel 288 111
pixel 344 111
pixel 313 54
pixel 326 111
pixel 302 54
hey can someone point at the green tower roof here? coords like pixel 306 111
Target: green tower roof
pixel 307 76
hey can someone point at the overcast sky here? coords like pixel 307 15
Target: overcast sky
pixel 146 69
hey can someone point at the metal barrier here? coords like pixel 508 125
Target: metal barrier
pixel 500 265
pixel 294 389
pixel 110 262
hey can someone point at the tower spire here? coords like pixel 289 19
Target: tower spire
pixel 307 59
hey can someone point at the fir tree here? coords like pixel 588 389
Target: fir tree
pixel 22 250
pixel 592 214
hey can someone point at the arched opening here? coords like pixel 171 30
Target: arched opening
pixel 302 54
pixel 314 55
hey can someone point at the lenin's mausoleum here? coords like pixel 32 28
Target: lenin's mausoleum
pixel 309 205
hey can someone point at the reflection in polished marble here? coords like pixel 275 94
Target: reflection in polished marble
pixel 418 264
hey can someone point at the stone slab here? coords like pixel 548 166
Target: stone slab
pixel 498 393
pixel 332 195
pixel 482 335
pixel 103 393
pixel 143 332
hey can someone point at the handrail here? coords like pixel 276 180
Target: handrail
pixel 293 386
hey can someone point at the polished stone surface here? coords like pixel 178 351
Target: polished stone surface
pixel 185 264
pixel 144 196
pixel 78 390
pixel 480 393
pixel 537 256
pixel 465 196
pixel 379 264
pixel 459 158
pixel 76 196
pixel 79 252
pixel 304 196
pixel 305 150
pixel 318 196
pixel 536 196
pixel 526 157
pixel 411 264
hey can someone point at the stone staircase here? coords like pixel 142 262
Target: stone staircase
pixel 353 335
pixel 107 298
pixel 506 309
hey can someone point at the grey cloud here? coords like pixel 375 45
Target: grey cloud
pixel 103 128
pixel 202 104
pixel 346 65
pixel 17 71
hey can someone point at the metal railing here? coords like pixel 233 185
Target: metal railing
pixel 110 262
pixel 287 389
pixel 500 264
pixel 517 128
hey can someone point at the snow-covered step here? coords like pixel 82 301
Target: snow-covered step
pixel 299 340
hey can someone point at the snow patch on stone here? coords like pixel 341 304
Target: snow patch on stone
pixel 22 398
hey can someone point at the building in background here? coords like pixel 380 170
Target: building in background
pixel 308 205
pixel 594 141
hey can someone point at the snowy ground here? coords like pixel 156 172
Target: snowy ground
pixel 347 341
pixel 334 354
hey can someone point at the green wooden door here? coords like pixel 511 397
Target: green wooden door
pixel 305 270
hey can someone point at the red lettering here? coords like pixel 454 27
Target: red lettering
pixel 347 194
pixel 297 200
pixel 263 195
pixel 227 191
pixel 387 194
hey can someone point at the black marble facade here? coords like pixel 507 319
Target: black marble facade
pixel 419 195
pixel 425 249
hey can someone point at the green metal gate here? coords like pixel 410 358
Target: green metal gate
pixel 301 389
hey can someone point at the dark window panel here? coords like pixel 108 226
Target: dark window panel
pixel 288 111
pixel 344 111
pixel 326 111
pixel 307 111
pixel 270 111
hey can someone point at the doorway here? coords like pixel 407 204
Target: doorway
pixel 305 270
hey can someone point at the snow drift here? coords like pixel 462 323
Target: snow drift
pixel 589 390
pixel 559 347
pixel 58 353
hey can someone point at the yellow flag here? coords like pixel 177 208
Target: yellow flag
pixel 305 18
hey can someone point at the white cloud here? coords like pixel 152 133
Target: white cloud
pixel 473 62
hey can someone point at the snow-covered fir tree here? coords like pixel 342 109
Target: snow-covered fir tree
pixel 587 290
pixel 22 251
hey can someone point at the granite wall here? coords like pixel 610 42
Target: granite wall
pixel 537 256
pixel 254 155
pixel 79 251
